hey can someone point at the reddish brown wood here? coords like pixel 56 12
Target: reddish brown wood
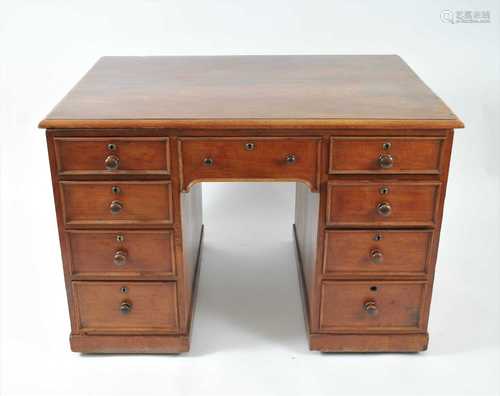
pixel 400 252
pixel 397 306
pixel 300 126
pixel 147 254
pixel 130 343
pixel 306 237
pixel 144 203
pixel 369 342
pixel 439 218
pixel 416 155
pixel 137 156
pixel 164 121
pixel 192 226
pixel 175 134
pixel 265 160
pixel 248 91
pixel 355 203
pixel 65 252
pixel 153 307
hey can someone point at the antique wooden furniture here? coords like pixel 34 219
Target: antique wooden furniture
pixel 366 141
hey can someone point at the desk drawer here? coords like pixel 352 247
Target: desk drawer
pixel 369 306
pixel 101 156
pixel 375 204
pixel 121 253
pixel 383 251
pixel 385 155
pixel 126 307
pixel 249 159
pixel 117 203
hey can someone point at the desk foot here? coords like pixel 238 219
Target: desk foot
pixel 368 342
pixel 129 343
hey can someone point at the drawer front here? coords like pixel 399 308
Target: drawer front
pixel 126 307
pixel 250 159
pixel 371 306
pixel 117 203
pixel 385 155
pixel 383 251
pixel 121 253
pixel 374 204
pixel 81 156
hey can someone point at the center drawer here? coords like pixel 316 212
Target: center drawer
pixel 111 204
pixel 251 158
pixel 126 307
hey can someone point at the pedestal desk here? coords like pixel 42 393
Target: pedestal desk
pixel 367 143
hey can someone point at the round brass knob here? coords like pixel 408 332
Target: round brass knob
pixel 112 162
pixel 125 307
pixel 370 308
pixel 385 161
pixel 376 256
pixel 120 257
pixel 290 159
pixel 116 207
pixel 384 209
pixel 208 161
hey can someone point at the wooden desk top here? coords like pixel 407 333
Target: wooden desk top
pixel 334 91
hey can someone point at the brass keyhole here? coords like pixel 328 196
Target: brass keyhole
pixel 249 146
pixel 386 146
pixel 208 161
pixel 112 147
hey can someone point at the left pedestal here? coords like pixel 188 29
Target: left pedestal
pixel 129 239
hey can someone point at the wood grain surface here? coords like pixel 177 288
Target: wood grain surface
pixel 280 91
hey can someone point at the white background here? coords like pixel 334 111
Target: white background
pixel 248 333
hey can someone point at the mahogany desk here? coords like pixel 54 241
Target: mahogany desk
pixel 366 141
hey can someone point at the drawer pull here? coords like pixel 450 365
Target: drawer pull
pixel 385 161
pixel 112 162
pixel 120 257
pixel 290 159
pixel 125 307
pixel 370 308
pixel 384 209
pixel 208 161
pixel 116 207
pixel 376 256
